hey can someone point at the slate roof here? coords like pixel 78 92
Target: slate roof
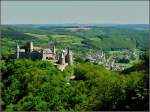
pixel 47 50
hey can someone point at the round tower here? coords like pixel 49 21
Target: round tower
pixel 69 57
pixel 17 51
pixel 62 59
pixel 31 46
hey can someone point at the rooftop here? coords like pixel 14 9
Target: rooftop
pixel 47 50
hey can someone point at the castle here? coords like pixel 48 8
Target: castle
pixel 47 53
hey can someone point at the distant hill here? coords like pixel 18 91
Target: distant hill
pixel 100 36
pixel 13 34
pixel 134 26
pixel 115 38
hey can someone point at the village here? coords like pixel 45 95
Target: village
pixel 114 61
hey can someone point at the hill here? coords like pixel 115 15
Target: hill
pixel 95 37
pixel 10 33
pixel 38 86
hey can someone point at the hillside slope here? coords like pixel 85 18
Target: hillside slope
pixel 106 38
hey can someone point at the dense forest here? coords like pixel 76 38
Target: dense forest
pixel 28 85
pixel 38 85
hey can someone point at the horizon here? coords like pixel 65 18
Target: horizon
pixel 82 24
pixel 75 12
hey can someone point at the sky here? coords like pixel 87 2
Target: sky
pixel 74 12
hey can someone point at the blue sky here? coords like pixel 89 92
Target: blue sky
pixel 81 12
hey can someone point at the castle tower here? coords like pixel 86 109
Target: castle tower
pixel 62 59
pixel 31 46
pixel 69 57
pixel 17 51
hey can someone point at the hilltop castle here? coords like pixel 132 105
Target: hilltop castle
pixel 47 53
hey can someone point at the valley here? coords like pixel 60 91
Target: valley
pixel 108 68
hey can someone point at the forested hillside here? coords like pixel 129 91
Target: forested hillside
pixel 39 86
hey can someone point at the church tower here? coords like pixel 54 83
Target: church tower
pixel 17 51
